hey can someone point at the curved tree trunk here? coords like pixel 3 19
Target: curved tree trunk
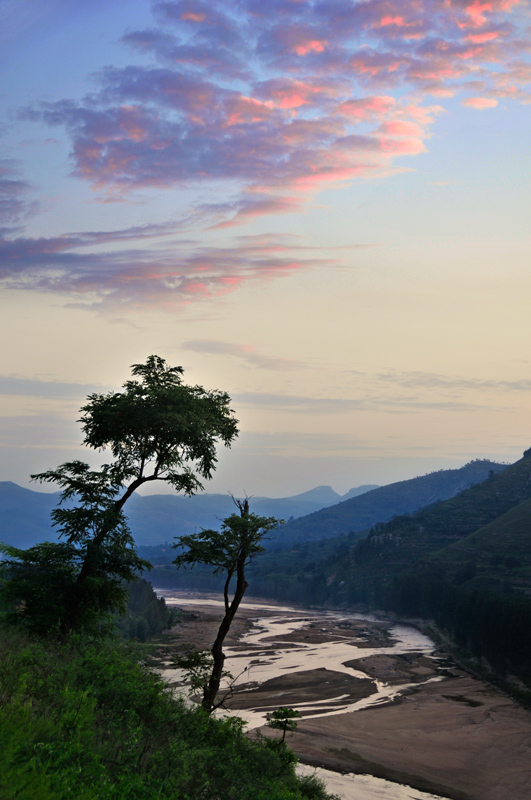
pixel 211 689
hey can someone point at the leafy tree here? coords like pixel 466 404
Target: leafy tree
pixel 283 719
pixel 228 551
pixel 157 428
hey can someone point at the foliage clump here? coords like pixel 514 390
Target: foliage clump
pixel 283 719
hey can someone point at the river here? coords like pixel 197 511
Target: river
pixel 274 648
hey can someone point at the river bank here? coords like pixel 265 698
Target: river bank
pixel 439 729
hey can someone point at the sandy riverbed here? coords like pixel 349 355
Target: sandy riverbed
pixel 458 737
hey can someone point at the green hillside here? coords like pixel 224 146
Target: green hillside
pixel 497 555
pixel 381 505
pixel 85 720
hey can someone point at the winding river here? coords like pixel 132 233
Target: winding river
pixel 273 648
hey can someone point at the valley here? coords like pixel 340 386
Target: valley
pixel 375 698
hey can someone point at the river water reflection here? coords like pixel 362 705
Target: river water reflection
pixel 273 648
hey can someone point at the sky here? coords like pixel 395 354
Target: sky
pixel 320 207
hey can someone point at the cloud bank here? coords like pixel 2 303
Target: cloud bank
pixel 289 97
pixel 263 104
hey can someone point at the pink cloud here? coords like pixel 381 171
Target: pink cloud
pixel 480 102
pixel 262 104
pixel 409 146
pixel 399 127
pixel 399 21
pixel 423 115
pixel 251 207
pixel 288 93
pixel 367 107
pixel 246 109
pixel 310 46
pixel 478 9
pixel 190 16
pixel 481 38
pixel 475 11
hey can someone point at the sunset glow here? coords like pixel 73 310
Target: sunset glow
pixel 321 208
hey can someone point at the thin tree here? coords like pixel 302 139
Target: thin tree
pixel 283 719
pixel 229 551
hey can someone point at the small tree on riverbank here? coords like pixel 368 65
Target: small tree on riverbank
pixel 228 551
pixel 283 719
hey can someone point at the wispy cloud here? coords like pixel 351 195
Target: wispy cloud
pixel 246 353
pixel 16 202
pixel 429 380
pixel 36 432
pixel 27 387
pixel 157 276
pixel 304 444
pixel 479 102
pixel 342 405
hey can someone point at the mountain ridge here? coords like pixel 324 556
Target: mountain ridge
pixel 380 505
pixel 154 518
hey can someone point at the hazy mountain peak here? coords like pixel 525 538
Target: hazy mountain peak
pixel 357 490
pixel 321 494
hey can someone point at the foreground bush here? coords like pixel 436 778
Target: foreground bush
pixel 86 721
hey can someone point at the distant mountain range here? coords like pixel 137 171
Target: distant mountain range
pixel 25 514
pixel 360 513
pixel 314 515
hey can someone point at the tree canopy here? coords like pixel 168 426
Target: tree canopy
pixel 159 428
pixel 283 719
